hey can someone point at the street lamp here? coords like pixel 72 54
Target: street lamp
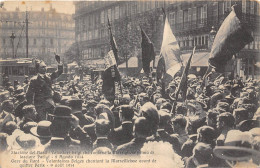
pixel 12 37
pixel 212 35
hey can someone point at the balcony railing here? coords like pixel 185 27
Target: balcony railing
pixel 247 19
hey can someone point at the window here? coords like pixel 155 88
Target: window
pixel 102 17
pixel 227 5
pixel 189 14
pixel 172 18
pixel 117 12
pixel 112 14
pixel 34 41
pixel 221 9
pixel 252 7
pixel 96 33
pixel 180 16
pixel 185 16
pixel 138 9
pixel 133 11
pixel 51 41
pixel 194 14
pixel 109 13
pixel 148 5
pixel 3 41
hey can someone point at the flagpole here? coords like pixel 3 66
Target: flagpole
pixel 110 32
pixel 179 87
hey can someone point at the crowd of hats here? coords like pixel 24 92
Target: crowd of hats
pixel 216 125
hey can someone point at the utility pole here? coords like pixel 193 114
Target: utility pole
pixel 26 33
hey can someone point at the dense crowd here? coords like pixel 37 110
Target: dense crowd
pixel 217 125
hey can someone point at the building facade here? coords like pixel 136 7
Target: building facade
pixel 49 32
pixel 191 23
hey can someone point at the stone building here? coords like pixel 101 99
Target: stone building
pixel 48 32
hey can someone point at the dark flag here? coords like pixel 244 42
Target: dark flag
pixel 230 39
pixel 113 45
pixel 111 73
pixel 148 53
pixel 183 85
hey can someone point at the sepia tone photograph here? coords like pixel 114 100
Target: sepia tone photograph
pixel 141 83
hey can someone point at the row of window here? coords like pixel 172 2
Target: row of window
pixel 198 13
pixel 95 52
pixel 18 70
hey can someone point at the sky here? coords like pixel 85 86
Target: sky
pixel 61 6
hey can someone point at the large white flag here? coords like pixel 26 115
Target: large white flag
pixel 110 59
pixel 170 51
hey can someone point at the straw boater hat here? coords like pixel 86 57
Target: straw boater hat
pixel 19 140
pixel 237 147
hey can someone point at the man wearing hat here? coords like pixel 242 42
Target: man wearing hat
pixel 102 130
pixel 42 131
pixel 29 114
pixel 20 103
pixel 141 132
pixel 123 134
pixel 238 147
pixel 40 92
pixel 62 123
pixel 225 123
pixel 179 125
pixel 202 154
pixel 7 108
pixel 91 104
pixel 76 108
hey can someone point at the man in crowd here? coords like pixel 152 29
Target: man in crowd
pixel 40 92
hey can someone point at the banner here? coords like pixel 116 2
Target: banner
pixel 110 59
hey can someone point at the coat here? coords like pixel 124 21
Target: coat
pixel 122 134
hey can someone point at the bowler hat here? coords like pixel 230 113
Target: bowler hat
pixel 42 130
pixel 61 111
pixel 247 125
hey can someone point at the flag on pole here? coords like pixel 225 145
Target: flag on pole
pixel 148 53
pixel 110 59
pixel 183 85
pixel 169 61
pixel 113 44
pixel 111 73
pixel 230 39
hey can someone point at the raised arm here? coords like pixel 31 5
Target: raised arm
pixel 58 72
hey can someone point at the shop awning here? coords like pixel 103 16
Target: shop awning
pixel 132 63
pixel 199 59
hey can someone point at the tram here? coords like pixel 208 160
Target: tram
pixel 16 69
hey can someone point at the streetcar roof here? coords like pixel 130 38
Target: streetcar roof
pixel 16 61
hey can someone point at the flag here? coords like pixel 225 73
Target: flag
pixel 183 85
pixel 169 61
pixel 111 73
pixel 148 53
pixel 113 44
pixel 230 39
pixel 110 59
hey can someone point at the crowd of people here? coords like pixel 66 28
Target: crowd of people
pixel 217 125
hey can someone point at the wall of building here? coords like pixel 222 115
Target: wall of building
pixel 48 32
pixel 191 23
